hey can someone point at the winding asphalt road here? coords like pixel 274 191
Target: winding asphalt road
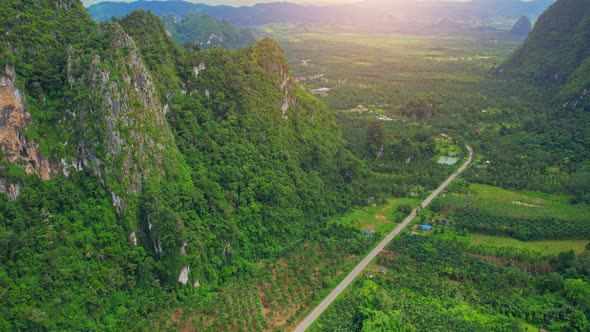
pixel 349 278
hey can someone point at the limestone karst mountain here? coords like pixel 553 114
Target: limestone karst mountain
pixel 132 166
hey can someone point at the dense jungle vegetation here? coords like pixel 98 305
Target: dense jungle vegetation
pixel 227 181
pixel 439 283
pixel 167 158
pixel 527 133
pixel 204 31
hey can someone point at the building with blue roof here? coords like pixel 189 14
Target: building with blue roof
pixel 425 227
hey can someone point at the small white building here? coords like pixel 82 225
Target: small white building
pixel 320 91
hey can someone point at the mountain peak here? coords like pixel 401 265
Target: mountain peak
pixel 557 52
pixel 522 27
pixel 557 45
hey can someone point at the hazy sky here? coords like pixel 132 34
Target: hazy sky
pixel 238 2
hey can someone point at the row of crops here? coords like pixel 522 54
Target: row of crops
pixel 521 228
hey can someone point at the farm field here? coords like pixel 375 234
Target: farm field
pixel 273 295
pixel 516 204
pixel 278 293
pixel 550 247
pixel 388 70
pixel 379 218
pixel 432 282
pixel 403 102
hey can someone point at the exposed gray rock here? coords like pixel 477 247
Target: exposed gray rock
pixel 133 239
pixel 199 68
pixel 11 189
pixel 183 276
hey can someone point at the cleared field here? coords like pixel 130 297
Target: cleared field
pixel 545 247
pixel 378 218
pixel 445 147
pixel 518 204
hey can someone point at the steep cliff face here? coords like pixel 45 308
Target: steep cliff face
pixel 271 58
pixel 14 120
pixel 92 105
pixel 135 142
pixel 34 108
pixel 112 121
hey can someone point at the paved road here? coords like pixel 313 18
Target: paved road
pixel 349 278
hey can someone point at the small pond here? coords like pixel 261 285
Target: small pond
pixel 447 160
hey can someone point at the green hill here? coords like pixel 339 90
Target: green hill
pixel 188 23
pixel 551 69
pixel 522 27
pixel 556 54
pixel 558 44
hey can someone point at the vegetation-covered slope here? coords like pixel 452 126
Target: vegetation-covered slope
pixel 205 31
pixel 161 167
pixel 188 23
pixel 550 150
pixel 557 45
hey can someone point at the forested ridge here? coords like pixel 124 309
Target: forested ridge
pixel 204 31
pixel 164 168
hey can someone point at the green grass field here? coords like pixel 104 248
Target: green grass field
pixel 519 204
pixel 445 147
pixel 545 247
pixel 378 218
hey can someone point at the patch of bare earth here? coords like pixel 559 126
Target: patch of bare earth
pixel 381 217
pixel 454 281
pixel 525 204
pixel 389 254
pixel 387 258
pixel 184 324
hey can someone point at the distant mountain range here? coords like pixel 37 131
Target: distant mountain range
pixel 399 15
